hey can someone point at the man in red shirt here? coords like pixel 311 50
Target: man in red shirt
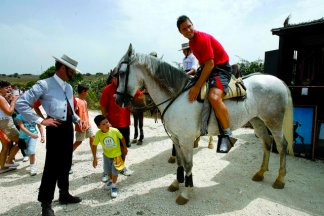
pixel 117 116
pixel 215 68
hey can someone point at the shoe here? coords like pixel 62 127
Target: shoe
pixel 67 198
pixel 172 159
pixel 126 172
pixel 47 209
pixel 25 159
pixel 10 165
pixel 104 178
pixel 134 141
pixel 114 192
pixel 33 169
pixel 70 171
pixel 140 142
pixel 108 185
pixel 225 143
pixel 7 169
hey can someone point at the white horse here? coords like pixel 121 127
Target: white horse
pixel 268 105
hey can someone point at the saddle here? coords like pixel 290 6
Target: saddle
pixel 236 89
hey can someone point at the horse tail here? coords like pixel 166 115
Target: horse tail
pixel 288 124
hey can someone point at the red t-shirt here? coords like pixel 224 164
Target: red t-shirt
pixel 205 47
pixel 117 116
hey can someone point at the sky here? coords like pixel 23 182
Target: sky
pixel 97 33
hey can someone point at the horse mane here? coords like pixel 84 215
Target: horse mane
pixel 167 76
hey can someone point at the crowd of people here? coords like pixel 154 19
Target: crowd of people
pixel 22 122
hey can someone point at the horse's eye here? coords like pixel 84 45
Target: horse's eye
pixel 123 68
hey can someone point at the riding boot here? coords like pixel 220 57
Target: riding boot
pixel 47 209
pixel 225 143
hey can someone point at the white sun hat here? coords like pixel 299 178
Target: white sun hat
pixel 69 62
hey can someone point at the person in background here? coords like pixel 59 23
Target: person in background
pixel 84 130
pixel 29 134
pixel 114 150
pixel 56 96
pixel 215 69
pixel 8 128
pixel 189 61
pixel 118 117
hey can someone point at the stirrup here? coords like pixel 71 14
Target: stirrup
pixel 225 143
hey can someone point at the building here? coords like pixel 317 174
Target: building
pixel 299 62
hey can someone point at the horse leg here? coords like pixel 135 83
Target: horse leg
pixel 281 144
pixel 262 132
pixel 196 142
pixel 183 198
pixel 210 143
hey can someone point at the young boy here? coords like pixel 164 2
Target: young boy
pixel 28 133
pixel 114 151
pixel 83 130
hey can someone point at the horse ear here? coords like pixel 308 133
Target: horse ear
pixel 130 50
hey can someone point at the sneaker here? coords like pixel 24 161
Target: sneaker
pixel 33 169
pixel 71 171
pixel 108 185
pixel 126 172
pixel 25 159
pixel 114 193
pixel 10 165
pixel 104 178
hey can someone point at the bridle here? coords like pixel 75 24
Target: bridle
pixel 125 97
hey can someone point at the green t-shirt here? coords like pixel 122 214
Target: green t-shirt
pixel 110 142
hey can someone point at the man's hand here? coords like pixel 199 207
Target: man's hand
pixel 50 122
pixel 193 93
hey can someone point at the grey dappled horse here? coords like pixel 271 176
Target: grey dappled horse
pixel 268 105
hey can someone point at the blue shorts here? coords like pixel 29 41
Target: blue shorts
pixel 31 146
pixel 108 166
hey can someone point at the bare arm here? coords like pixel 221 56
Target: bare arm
pixel 193 92
pixel 4 105
pixel 41 131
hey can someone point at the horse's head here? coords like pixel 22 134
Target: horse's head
pixel 127 82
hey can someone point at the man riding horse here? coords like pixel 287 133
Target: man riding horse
pixel 215 68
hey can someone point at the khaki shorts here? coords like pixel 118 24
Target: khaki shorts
pixel 80 136
pixel 9 128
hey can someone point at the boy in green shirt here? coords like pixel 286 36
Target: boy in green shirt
pixel 114 150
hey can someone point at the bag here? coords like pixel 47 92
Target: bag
pixel 236 88
pixel 22 144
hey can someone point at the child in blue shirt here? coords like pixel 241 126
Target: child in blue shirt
pixel 29 134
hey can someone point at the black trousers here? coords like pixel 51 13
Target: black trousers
pixel 59 143
pixel 138 124
pixel 126 134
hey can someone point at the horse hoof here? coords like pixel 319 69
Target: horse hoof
pixel 172 160
pixel 278 185
pixel 134 141
pixel 258 177
pixel 140 142
pixel 181 200
pixel 173 188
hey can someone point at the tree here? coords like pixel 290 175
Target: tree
pixel 247 67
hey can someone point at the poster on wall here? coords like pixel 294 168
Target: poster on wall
pixel 304 123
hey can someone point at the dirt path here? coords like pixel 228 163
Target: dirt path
pixel 223 184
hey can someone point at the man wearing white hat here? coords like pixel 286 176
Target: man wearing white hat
pixel 189 62
pixel 56 96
